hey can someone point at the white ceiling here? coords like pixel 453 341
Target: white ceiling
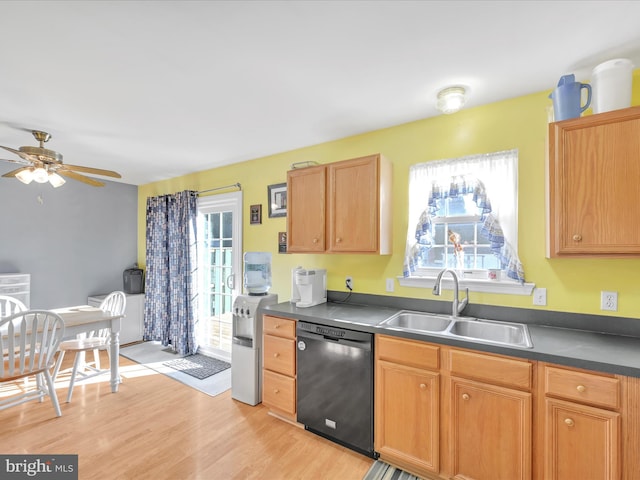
pixel 158 89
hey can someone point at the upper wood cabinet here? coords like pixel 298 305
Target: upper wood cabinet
pixel 306 209
pixel 342 207
pixel 593 192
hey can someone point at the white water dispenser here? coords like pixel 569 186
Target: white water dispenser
pixel 246 356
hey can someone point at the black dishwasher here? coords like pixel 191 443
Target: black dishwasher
pixel 335 384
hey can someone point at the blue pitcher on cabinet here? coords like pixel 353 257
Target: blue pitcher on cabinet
pixel 567 98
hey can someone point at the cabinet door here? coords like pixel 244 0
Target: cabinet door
pixel 581 442
pixel 353 205
pixel 407 416
pixel 490 432
pixel 594 166
pixel 306 220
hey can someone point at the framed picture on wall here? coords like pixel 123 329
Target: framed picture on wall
pixel 277 200
pixel 282 242
pixel 255 212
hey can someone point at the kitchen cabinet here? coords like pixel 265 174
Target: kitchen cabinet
pixel 490 416
pixel 306 210
pixel 593 194
pixel 341 207
pixel 582 428
pixel 279 366
pixel 407 398
pixel 444 411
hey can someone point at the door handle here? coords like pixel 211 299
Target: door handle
pixel 231 281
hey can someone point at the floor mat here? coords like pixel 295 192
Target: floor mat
pixel 152 356
pixel 199 366
pixel 383 471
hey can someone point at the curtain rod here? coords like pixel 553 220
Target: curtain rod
pixel 237 185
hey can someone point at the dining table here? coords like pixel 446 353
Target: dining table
pixel 83 319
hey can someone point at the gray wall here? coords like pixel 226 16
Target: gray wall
pixel 74 240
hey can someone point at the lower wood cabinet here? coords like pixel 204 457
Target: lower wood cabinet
pixel 451 413
pixel 279 366
pixel 581 442
pixel 490 432
pixel 490 416
pixel 407 402
pixel 582 428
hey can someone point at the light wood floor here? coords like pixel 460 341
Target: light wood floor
pixel 158 428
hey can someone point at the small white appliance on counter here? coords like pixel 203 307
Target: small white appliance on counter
pixel 311 287
pixel 295 293
pixel 246 327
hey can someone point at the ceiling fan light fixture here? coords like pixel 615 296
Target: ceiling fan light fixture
pixel 43 165
pixel 40 175
pixel 56 180
pixel 451 99
pixel 25 176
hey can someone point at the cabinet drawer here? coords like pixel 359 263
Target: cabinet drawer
pixel 582 386
pixel 279 391
pixel 408 352
pixel 491 369
pixel 280 327
pixel 280 355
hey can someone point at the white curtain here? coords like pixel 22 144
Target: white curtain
pixel 498 172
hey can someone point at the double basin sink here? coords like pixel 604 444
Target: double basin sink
pixel 464 328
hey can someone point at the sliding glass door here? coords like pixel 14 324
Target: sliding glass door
pixel 220 242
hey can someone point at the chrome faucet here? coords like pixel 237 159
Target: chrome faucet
pixel 457 306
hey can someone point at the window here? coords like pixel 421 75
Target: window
pixel 456 238
pixel 463 215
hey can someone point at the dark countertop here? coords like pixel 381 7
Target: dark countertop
pixel 591 350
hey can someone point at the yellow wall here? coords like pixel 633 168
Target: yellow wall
pixel 573 285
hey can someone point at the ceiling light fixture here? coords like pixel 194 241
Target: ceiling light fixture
pixel 451 99
pixel 40 175
pixel 56 180
pixel 25 176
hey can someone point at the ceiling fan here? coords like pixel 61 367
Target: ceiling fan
pixel 44 165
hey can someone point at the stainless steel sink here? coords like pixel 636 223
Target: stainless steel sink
pixel 467 328
pixel 418 321
pixel 512 334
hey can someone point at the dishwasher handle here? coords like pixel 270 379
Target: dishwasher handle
pixel 351 338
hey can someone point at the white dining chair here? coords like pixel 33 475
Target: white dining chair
pixel 97 341
pixel 10 306
pixel 28 346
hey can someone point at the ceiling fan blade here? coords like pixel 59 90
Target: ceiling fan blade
pixel 24 156
pixel 80 178
pixel 21 161
pixel 94 171
pixel 13 173
pixel 15 126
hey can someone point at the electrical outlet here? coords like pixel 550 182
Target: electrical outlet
pixel 539 296
pixel 390 285
pixel 348 283
pixel 609 301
